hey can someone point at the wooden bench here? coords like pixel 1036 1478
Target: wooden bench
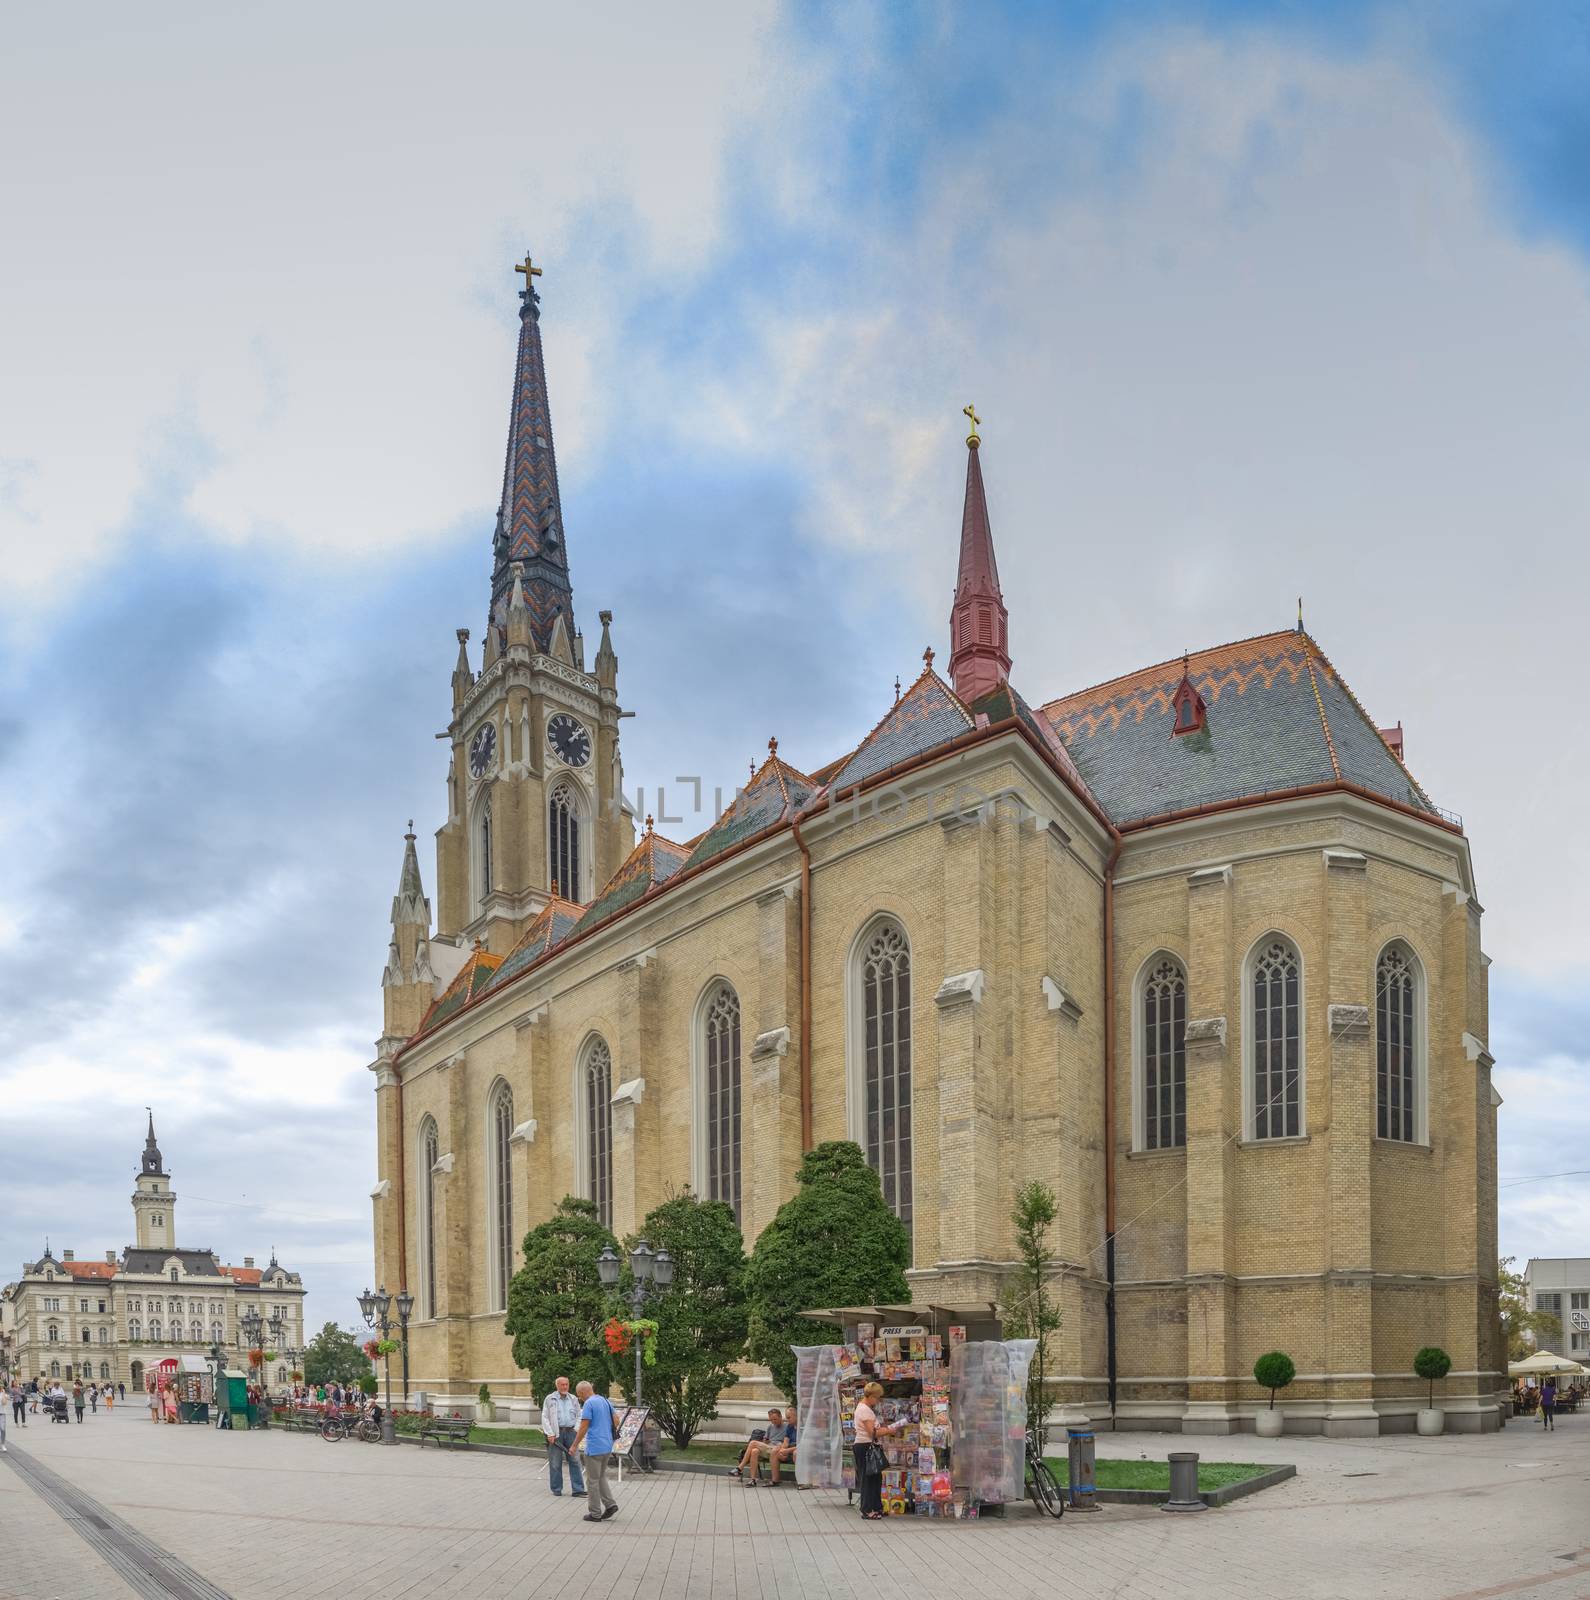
pixel 444 1430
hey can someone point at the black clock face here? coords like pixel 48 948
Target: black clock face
pixel 482 751
pixel 571 742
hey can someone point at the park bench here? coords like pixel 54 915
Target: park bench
pixel 444 1430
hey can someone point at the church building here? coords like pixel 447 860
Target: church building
pixel 1191 946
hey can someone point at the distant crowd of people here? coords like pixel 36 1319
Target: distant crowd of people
pixel 55 1399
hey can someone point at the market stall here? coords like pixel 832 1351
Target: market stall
pixel 957 1400
pixel 184 1387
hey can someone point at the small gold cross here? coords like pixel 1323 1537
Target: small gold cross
pixel 530 271
pixel 967 411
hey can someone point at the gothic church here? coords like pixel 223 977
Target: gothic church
pixel 1191 946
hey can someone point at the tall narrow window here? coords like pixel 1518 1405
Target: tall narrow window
pixel 597 1082
pixel 485 847
pixel 721 1058
pixel 430 1153
pixel 1395 1077
pixel 563 839
pixel 499 1192
pixel 1277 1041
pixel 885 979
pixel 1165 1056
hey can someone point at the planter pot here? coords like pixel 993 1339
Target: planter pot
pixel 1268 1423
pixel 1430 1422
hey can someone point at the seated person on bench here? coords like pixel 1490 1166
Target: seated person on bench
pixel 775 1447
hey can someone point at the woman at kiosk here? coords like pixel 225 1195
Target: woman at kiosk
pixel 868 1431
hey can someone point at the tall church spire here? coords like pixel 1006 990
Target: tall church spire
pixel 979 623
pixel 530 517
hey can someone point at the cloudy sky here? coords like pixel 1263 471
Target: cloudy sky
pixel 1252 305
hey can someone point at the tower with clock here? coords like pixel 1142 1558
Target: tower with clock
pixel 535 803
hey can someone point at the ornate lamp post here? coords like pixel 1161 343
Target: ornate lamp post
pixel 276 1326
pixel 650 1272
pixel 375 1308
pixel 405 1309
pixel 218 1360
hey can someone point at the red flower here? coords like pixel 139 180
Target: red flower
pixel 616 1336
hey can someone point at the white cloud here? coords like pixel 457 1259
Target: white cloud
pixel 298 231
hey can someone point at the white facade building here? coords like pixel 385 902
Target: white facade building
pixel 1561 1285
pixel 111 1320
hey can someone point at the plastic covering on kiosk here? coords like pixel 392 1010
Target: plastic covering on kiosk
pixel 819 1446
pixel 988 1389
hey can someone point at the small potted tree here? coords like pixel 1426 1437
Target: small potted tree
pixel 1273 1371
pixel 485 1410
pixel 1431 1363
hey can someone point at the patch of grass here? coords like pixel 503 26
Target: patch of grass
pixel 1117 1474
pixel 528 1438
pixel 704 1450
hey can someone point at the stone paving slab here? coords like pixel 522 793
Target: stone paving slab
pixel 275 1515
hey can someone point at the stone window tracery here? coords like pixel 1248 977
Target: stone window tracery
pixel 721 1057
pixel 1396 1075
pixel 563 840
pixel 597 1081
pixel 499 1192
pixel 1164 1006
pixel 430 1153
pixel 1277 1023
pixel 885 979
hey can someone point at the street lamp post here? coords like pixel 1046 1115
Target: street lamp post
pixel 405 1309
pixel 376 1307
pixel 276 1326
pixel 218 1356
pixel 650 1272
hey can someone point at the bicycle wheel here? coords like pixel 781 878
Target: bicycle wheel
pixel 1045 1491
pixel 332 1431
pixel 370 1431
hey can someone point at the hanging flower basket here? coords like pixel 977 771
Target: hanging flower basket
pixel 256 1358
pixel 620 1337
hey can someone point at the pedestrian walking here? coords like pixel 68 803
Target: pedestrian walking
pixel 1548 1404
pixel 79 1400
pixel 121 1391
pixel 93 1400
pixel 596 1434
pixel 560 1417
pixel 19 1404
pixel 3 1447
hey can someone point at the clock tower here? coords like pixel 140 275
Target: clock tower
pixel 534 782
pixel 154 1205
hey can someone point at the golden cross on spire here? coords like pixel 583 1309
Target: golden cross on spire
pixel 972 438
pixel 530 270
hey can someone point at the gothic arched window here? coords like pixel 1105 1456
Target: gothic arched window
pixel 596 1085
pixel 483 833
pixel 563 841
pixel 53 1334
pixel 430 1154
pixel 1164 1054
pixel 104 1369
pixel 1396 1044
pixel 884 979
pixel 1276 1029
pixel 499 1193
pixel 720 1058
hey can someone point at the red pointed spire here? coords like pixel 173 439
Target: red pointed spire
pixel 979 623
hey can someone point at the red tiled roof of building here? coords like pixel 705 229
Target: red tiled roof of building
pixel 244 1275
pixel 89 1269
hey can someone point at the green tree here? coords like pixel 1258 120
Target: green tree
pixel 1028 1311
pixel 334 1356
pixel 834 1242
pixel 1523 1330
pixel 1432 1364
pixel 1274 1371
pixel 701 1320
pixel 556 1303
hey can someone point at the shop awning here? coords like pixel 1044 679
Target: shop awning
pixel 980 1312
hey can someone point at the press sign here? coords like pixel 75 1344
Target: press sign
pixel 913 1330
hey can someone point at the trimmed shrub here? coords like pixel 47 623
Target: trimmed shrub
pixel 1273 1371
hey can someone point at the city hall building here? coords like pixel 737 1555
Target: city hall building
pixel 1192 946
pixel 111 1319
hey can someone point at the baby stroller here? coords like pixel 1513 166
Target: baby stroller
pixel 58 1409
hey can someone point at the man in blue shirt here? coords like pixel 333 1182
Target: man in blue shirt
pixel 596 1434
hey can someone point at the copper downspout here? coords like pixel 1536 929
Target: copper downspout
pixel 1109 1120
pixel 805 1055
pixel 403 1191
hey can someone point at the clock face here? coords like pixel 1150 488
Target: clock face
pixel 483 751
pixel 569 739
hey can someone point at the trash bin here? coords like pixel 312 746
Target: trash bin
pixel 1079 1460
pixel 1184 1482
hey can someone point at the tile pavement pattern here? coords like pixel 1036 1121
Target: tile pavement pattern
pixel 262 1516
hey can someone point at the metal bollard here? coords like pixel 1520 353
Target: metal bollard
pixel 1184 1482
pixel 1079 1455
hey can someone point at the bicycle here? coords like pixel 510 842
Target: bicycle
pixel 334 1429
pixel 1041 1484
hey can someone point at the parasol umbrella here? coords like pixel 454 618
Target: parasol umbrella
pixel 1542 1363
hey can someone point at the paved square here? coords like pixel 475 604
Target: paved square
pixel 275 1515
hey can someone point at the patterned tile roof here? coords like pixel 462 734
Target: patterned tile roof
pixel 1005 703
pixel 924 717
pixel 654 860
pixel 773 793
pixel 1279 717
pixel 553 924
pixel 471 979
